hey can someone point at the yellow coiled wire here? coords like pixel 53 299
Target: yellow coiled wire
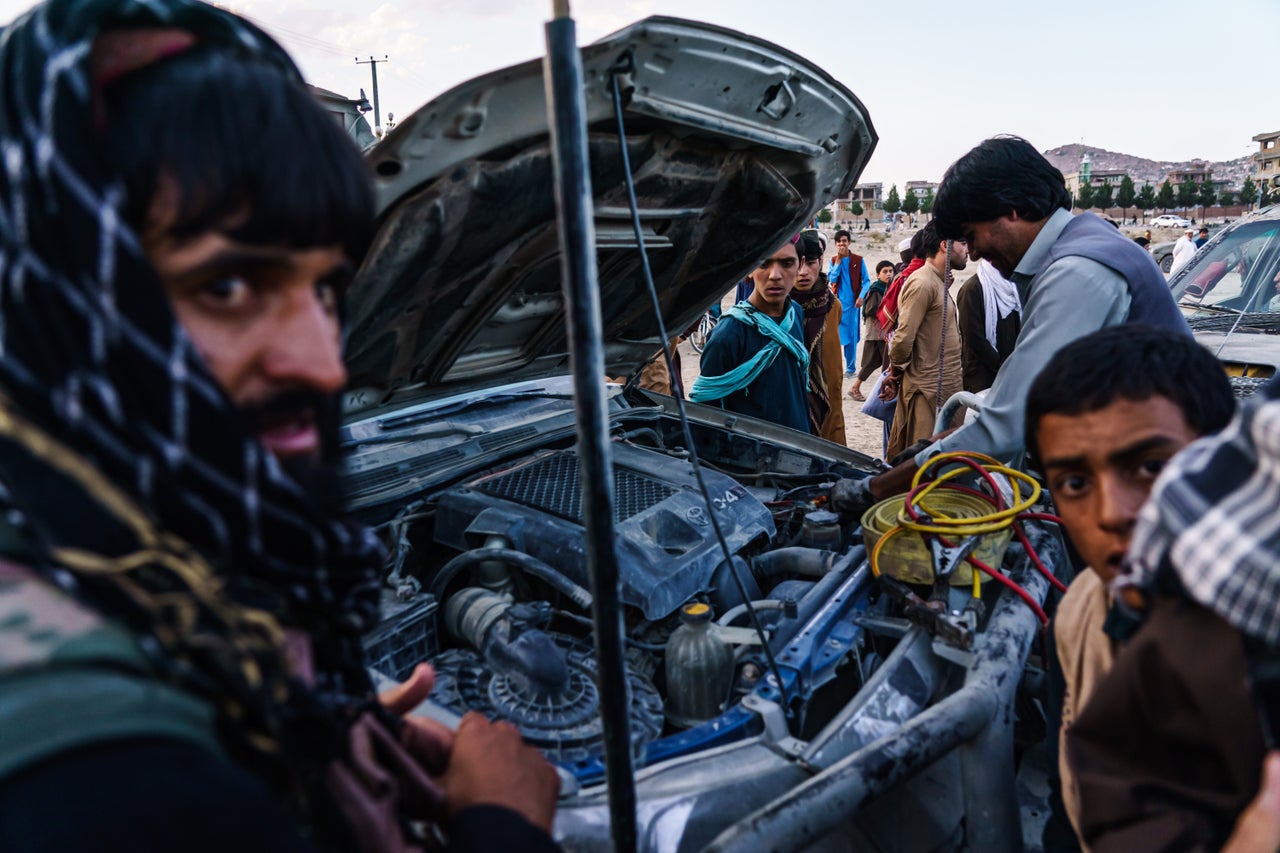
pixel 960 527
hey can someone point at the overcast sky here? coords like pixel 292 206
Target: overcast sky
pixel 1170 80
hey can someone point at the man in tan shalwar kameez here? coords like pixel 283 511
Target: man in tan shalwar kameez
pixel 927 338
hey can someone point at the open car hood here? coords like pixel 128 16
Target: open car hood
pixel 734 144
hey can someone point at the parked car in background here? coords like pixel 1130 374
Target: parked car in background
pixel 1163 252
pixel 1168 220
pixel 1230 293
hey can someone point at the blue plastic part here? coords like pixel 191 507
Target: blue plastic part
pixel 807 662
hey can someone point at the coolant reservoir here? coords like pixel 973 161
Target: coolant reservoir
pixel 699 668
pixel 821 529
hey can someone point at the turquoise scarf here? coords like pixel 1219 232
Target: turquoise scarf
pixel 786 334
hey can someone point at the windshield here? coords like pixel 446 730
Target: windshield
pixel 1240 272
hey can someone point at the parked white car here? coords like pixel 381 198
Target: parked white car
pixel 1168 220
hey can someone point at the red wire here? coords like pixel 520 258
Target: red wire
pixel 997 500
pixel 1035 558
pixel 1017 590
pixel 1041 516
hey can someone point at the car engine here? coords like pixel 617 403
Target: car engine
pixel 490 583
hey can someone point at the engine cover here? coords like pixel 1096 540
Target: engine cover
pixel 667 550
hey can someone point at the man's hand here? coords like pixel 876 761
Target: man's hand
pixel 492 765
pixel 403 698
pixel 1258 828
pixel 857 303
pixel 428 741
pixel 889 389
pixel 852 497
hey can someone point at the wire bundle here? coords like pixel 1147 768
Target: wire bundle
pixel 916 517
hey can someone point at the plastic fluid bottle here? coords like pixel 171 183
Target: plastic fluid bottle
pixel 699 668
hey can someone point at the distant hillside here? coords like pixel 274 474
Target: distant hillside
pixel 1142 170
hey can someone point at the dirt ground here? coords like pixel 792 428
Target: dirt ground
pixel 862 432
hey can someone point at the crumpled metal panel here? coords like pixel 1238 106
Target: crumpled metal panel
pixel 733 142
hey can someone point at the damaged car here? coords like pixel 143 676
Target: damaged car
pixel 1230 294
pixel 777 692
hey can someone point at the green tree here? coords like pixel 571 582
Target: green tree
pixel 1164 198
pixel 1146 199
pixel 1084 198
pixel 1126 196
pixel 926 204
pixel 1102 196
pixel 1248 192
pixel 910 204
pixel 1227 199
pixel 892 204
pixel 1188 192
pixel 1208 195
pixel 856 208
pixel 824 216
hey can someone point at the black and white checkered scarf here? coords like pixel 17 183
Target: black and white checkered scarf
pixel 121 458
pixel 1213 521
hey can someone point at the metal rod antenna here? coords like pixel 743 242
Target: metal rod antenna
pixel 566 108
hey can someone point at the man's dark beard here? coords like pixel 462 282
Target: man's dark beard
pixel 318 477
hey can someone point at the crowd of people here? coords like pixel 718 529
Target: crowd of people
pixel 902 322
pixel 1164 652
pixel 182 596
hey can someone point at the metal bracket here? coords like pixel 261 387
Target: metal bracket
pixel 956 630
pixel 960 657
pixel 887 626
pixel 771 714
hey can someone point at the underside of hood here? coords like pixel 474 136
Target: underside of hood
pixel 734 145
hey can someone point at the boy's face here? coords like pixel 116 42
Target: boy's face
pixel 885 275
pixel 807 274
pixel 774 279
pixel 1100 467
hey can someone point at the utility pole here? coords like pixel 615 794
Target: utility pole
pixel 373 67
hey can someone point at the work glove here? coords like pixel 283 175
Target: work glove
pixel 851 498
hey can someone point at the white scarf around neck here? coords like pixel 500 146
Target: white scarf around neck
pixel 999 297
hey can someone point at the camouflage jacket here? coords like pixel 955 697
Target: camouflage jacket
pixel 70 678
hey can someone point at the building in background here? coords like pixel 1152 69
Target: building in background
pixel 1198 173
pixel 1096 178
pixel 1266 162
pixel 870 196
pixel 348 112
pixel 922 188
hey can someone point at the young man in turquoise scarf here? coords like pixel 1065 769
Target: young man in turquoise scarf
pixel 757 365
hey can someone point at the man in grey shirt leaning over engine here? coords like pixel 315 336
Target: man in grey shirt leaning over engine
pixel 1075 274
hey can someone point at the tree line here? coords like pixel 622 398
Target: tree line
pixel 1185 195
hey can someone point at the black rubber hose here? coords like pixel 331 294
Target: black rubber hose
pixel 526 563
